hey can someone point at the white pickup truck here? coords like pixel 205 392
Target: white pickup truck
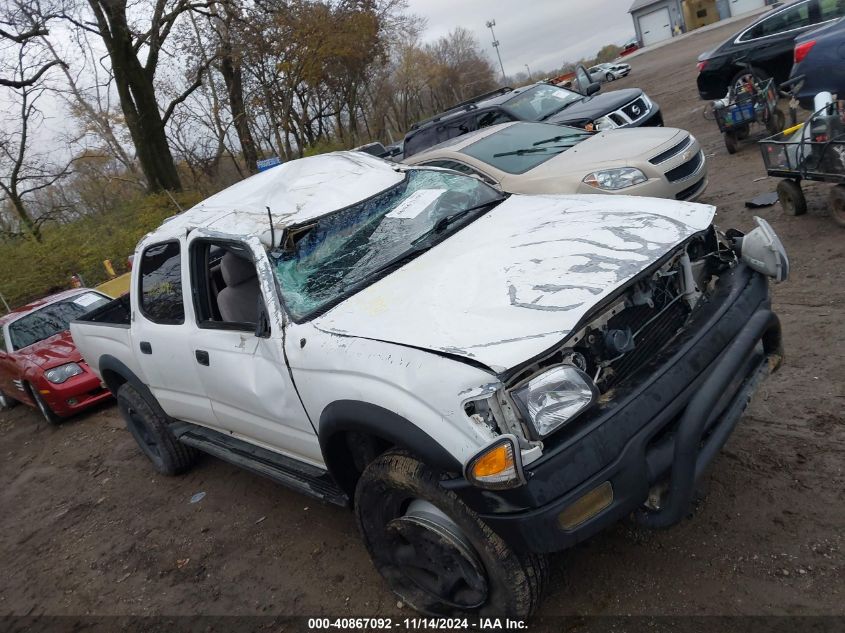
pixel 484 378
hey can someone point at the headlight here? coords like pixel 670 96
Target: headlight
pixel 59 374
pixel 604 123
pixel 553 398
pixel 615 179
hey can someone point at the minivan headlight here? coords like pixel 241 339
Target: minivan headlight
pixel 60 374
pixel 615 179
pixel 553 398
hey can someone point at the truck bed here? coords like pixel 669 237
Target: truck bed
pixel 115 312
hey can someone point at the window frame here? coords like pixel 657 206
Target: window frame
pixel 198 269
pixel 141 309
pixel 810 5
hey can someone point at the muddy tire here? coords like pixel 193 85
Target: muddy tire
pixel 46 412
pixel 731 142
pixel 154 437
pixel 434 552
pixel 791 198
pixel 6 402
pixel 837 204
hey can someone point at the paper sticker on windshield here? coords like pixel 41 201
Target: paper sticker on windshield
pixel 415 204
pixel 86 299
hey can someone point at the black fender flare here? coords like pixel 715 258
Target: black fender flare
pixel 110 366
pixel 344 416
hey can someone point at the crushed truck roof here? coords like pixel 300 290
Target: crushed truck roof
pixel 295 192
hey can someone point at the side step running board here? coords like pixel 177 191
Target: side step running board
pixel 305 478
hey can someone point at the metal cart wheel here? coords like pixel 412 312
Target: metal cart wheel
pixel 731 142
pixel 837 204
pixel 791 197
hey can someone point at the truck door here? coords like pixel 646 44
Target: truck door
pixel 244 371
pixel 160 337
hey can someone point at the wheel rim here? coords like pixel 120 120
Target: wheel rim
pixel 42 406
pixel 4 400
pixel 431 551
pixel 141 431
pixel 742 80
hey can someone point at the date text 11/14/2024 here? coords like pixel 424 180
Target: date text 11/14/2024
pixel 416 624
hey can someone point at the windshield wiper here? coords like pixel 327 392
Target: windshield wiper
pixel 446 220
pixel 554 112
pixel 532 150
pixel 555 139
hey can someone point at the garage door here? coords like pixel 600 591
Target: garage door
pixel 655 26
pixel 738 7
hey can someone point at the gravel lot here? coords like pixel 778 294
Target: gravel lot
pixel 87 528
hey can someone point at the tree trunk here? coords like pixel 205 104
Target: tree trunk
pixel 137 99
pixel 233 77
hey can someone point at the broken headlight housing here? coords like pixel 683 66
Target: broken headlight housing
pixel 615 179
pixel 551 399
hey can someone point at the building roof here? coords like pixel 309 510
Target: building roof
pixel 295 192
pixel 640 4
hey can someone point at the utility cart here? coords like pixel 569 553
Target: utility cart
pixel 814 150
pixel 754 103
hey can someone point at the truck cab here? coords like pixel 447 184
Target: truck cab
pixel 483 378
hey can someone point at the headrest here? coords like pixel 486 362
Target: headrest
pixel 236 270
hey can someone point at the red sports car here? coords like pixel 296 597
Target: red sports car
pixel 39 364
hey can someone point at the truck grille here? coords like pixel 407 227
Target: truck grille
pixel 656 335
pixel 637 109
pixel 685 170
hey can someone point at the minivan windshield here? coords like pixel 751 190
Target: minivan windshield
pixel 52 319
pixel 522 146
pixel 324 262
pixel 541 102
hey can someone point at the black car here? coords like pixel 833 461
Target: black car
pixel 766 44
pixel 820 59
pixel 538 102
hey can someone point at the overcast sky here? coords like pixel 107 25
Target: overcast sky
pixel 540 33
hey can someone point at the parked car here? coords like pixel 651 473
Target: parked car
pixel 609 72
pixel 39 364
pixel 538 102
pixel 485 378
pixel 820 58
pixel 766 44
pixel 541 158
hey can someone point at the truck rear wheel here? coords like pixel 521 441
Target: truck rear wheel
pixel 434 551
pixel 150 430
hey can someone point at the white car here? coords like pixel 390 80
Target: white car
pixel 609 72
pixel 538 158
pixel 484 378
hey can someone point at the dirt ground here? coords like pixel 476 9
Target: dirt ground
pixel 87 528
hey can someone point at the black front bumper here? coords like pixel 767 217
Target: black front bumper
pixel 667 426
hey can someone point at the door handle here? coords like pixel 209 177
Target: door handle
pixel 146 348
pixel 202 357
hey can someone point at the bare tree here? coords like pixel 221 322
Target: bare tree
pixel 23 22
pixel 135 79
pixel 22 173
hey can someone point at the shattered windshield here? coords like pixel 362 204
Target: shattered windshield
pixel 324 262
pixel 52 319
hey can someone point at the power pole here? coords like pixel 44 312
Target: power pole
pixel 529 73
pixel 490 25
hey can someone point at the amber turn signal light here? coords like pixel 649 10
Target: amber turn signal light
pixel 498 465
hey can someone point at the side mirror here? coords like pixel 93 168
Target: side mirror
pixel 262 328
pixel 592 89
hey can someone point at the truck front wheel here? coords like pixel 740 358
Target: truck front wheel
pixel 434 551
pixel 150 430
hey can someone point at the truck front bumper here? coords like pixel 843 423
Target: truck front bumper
pixel 657 435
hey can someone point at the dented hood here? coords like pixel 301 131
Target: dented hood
pixel 516 281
